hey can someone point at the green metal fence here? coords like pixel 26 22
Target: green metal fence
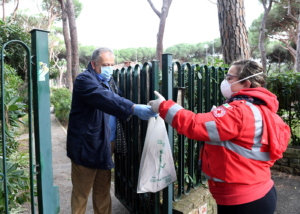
pixel 39 107
pixel 138 83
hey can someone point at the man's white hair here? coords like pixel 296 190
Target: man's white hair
pixel 97 53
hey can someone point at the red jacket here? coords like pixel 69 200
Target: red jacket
pixel 243 141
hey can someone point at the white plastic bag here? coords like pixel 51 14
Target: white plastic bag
pixel 157 169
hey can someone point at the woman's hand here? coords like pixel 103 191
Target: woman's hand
pixel 156 103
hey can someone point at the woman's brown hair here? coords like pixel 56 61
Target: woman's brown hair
pixel 246 68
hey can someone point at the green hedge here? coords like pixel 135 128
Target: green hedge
pixel 286 86
pixel 61 99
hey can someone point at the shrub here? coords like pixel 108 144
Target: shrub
pixel 18 182
pixel 17 174
pixel 286 86
pixel 61 100
pixel 14 108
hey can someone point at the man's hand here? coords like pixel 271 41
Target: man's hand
pixel 144 112
pixel 156 103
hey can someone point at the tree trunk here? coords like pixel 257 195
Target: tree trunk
pixel 3 7
pixel 66 33
pixel 297 66
pixel 262 35
pixel 74 40
pixel 15 12
pixel 160 35
pixel 233 31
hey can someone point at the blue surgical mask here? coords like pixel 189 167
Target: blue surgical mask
pixel 106 72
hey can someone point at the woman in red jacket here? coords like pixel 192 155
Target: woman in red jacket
pixel 243 138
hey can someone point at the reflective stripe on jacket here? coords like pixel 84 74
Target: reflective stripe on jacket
pixel 237 147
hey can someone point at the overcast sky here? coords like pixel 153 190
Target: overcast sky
pixel 132 23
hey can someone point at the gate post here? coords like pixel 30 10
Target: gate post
pixel 167 92
pixel 48 196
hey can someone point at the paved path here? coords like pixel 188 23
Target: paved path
pixel 62 173
pixel 288 193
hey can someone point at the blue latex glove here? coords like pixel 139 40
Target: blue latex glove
pixel 144 112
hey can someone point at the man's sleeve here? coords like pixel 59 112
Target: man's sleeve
pixel 96 96
pixel 223 123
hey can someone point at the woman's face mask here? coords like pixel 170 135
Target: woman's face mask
pixel 226 86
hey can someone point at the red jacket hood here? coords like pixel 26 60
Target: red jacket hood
pixel 263 94
pixel 278 131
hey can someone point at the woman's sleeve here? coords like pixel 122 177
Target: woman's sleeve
pixel 223 123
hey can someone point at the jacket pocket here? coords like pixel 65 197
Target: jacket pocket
pixel 215 159
pixel 90 151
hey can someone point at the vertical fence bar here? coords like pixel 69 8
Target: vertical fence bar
pixel 191 143
pixel 117 156
pixel 122 158
pixel 135 139
pixel 221 74
pixel 115 76
pixel 167 92
pixel 29 75
pixel 180 142
pixel 207 97
pixel 146 198
pixel 143 94
pixel 200 110
pixel 196 77
pixel 4 175
pixel 181 138
pixel 129 142
pixel 154 86
pixel 48 196
pixel 214 86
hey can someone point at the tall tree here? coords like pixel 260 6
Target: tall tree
pixel 30 22
pixel 52 7
pixel 163 17
pixel 3 2
pixel 282 24
pixel 293 17
pixel 3 7
pixel 74 39
pixel 262 33
pixel 233 31
pixel 15 11
pixel 67 39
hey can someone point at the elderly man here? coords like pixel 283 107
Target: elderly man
pixel 97 107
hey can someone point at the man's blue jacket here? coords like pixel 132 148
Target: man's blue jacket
pixel 88 131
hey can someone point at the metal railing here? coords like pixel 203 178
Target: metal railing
pixel 138 83
pixel 38 106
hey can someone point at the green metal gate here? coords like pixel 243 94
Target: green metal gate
pixel 138 83
pixel 39 107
